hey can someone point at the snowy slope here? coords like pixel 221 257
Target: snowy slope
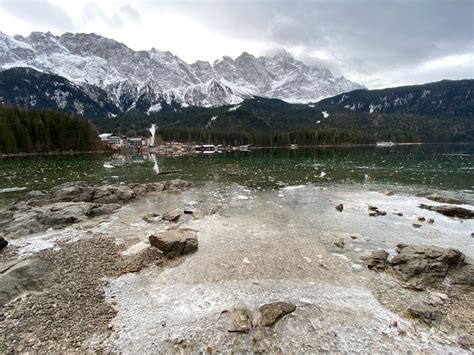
pixel 144 79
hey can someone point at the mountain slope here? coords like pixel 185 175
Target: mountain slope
pixel 26 87
pixel 440 98
pixel 153 76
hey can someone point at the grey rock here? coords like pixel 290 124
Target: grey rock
pixel 375 212
pixel 377 260
pixel 424 312
pixel 444 199
pixel 388 192
pixel 113 194
pixel 76 191
pixel 103 209
pixel 151 217
pixel 175 242
pixel 273 312
pixel 418 266
pixel 177 185
pixel 62 214
pixel 242 320
pixel 450 211
pixel 465 275
pixel 340 243
pixel 3 243
pixel 26 275
pixel 32 198
pixel 198 214
pixel 171 216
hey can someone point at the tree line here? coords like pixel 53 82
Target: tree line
pixel 32 131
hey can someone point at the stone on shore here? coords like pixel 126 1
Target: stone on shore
pixel 377 260
pixel 3 243
pixel 171 216
pixel 419 266
pixel 175 242
pixel 424 312
pixel 273 312
pixel 177 185
pixel 375 212
pixel 340 243
pixel 444 199
pixel 113 194
pixel 450 211
pixel 25 275
pixel 242 320
pixel 75 191
pixel 151 217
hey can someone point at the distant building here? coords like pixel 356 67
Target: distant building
pixel 115 141
pixel 136 143
pixel 105 136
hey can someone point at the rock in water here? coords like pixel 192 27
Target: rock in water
pixel 171 216
pixel 340 243
pixel 76 191
pixel 151 217
pixel 418 266
pixel 242 320
pixel 450 211
pixel 175 242
pixel 3 243
pixel 273 312
pixel 340 207
pixel 113 194
pixel 444 199
pixel 377 260
pixel 374 212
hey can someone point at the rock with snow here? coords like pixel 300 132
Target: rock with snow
pixel 147 80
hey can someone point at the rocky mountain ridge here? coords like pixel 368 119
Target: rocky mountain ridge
pixel 147 79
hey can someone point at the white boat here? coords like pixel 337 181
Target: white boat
pixel 384 144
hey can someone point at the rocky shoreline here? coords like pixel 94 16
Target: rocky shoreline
pixel 55 300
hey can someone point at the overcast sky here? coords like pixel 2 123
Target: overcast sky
pixel 378 43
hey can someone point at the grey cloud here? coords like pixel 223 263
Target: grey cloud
pixel 131 13
pixel 93 12
pixel 39 12
pixel 370 35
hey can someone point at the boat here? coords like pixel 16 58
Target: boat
pixel 385 144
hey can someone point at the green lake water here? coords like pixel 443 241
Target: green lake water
pixel 416 169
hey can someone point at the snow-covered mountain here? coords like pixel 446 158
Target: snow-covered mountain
pixel 146 79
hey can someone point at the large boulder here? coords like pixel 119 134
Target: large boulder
pixel 26 275
pixel 377 260
pixel 3 243
pixel 113 194
pixel 444 199
pixel 273 312
pixel 171 216
pixel 450 211
pixel 418 266
pixel 76 191
pixel 62 214
pixel 175 242
pixel 177 185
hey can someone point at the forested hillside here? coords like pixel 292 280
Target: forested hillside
pixel 31 131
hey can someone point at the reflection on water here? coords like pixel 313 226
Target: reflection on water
pixel 419 168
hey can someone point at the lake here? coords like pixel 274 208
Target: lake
pixel 418 169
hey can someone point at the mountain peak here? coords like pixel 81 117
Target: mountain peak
pixel 145 78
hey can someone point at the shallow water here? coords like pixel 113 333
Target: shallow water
pixel 418 169
pixel 272 240
pixel 275 246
